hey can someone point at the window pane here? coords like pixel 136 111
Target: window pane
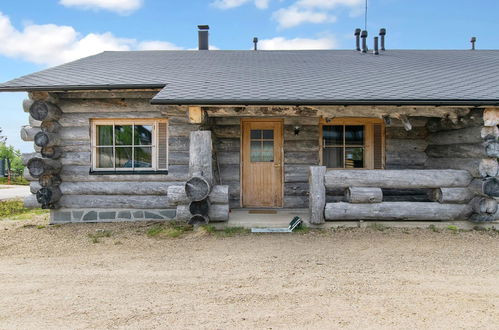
pixel 123 135
pixel 143 157
pixel 105 157
pixel 354 157
pixel 104 135
pixel 333 157
pixel 143 135
pixel 256 133
pixel 268 134
pixel 123 157
pixel 256 151
pixel 354 135
pixel 268 151
pixel 332 135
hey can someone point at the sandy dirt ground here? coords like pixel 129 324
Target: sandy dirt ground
pixel 55 277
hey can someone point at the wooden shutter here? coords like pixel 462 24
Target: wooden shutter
pixel 162 146
pixel 378 146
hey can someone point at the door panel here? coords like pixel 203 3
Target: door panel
pixel 262 163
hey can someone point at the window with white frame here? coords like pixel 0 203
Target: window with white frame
pixel 129 145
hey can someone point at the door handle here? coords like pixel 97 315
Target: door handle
pixel 277 165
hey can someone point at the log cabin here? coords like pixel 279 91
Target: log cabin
pixel 190 135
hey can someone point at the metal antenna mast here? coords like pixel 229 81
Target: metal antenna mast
pixel 365 18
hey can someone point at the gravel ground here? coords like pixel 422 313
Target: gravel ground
pixel 55 277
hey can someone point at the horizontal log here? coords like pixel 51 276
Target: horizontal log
pixel 219 212
pixel 477 167
pixel 219 195
pixel 465 150
pixel 409 158
pixel 301 145
pixel 76 158
pixel 452 195
pixel 28 133
pixel 178 158
pixel 181 129
pixel 397 178
pixel 488 167
pixel 296 173
pixel 197 188
pixel 44 111
pixel 40 166
pixel 296 202
pixel 492 149
pixel 44 139
pixel 28 176
pixel 30 202
pixel 227 131
pixel 401 133
pixel 474 118
pixel 111 105
pixel 397 211
pixel 461 136
pixel 114 188
pixel 228 157
pixel 76 173
pixel 33 122
pixel 223 145
pixel 406 145
pixel 484 205
pixel 485 187
pixel 296 188
pixel 113 201
pixel 176 195
pixel 83 119
pixel 229 173
pixel 199 207
pixel 48 196
pixel 50 126
pixel 490 133
pixel 48 180
pixel 363 195
pixel 304 132
pixel 301 157
pixel 51 152
pixel 183 213
pixel 178 143
pixel 27 103
pixel 198 220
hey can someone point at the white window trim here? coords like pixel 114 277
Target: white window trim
pixel 155 143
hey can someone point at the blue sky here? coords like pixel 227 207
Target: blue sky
pixel 37 34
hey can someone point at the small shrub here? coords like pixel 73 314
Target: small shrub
pixel 170 229
pixel 209 229
pixel 453 228
pixel 40 227
pixel 434 228
pixel 12 208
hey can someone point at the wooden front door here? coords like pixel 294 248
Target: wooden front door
pixel 262 163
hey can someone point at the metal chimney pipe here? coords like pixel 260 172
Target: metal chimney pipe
pixel 376 50
pixel 357 39
pixel 363 35
pixel 255 42
pixel 473 41
pixel 203 43
pixel 382 33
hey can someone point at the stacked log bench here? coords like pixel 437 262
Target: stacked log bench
pixel 198 201
pixel 451 195
pixel 45 165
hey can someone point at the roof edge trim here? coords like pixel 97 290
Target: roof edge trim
pixel 77 88
pixel 430 102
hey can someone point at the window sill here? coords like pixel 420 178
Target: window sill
pixel 159 172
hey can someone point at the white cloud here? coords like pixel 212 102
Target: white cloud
pixel 329 4
pixel 294 16
pixel 228 4
pixel 280 43
pixel 313 11
pixel 52 44
pixel 119 6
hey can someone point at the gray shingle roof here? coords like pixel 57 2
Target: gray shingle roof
pixel 284 77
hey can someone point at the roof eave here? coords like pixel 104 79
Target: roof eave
pixel 64 88
pixel 429 102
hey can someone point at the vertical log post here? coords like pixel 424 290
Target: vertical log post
pixel 317 198
pixel 200 155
